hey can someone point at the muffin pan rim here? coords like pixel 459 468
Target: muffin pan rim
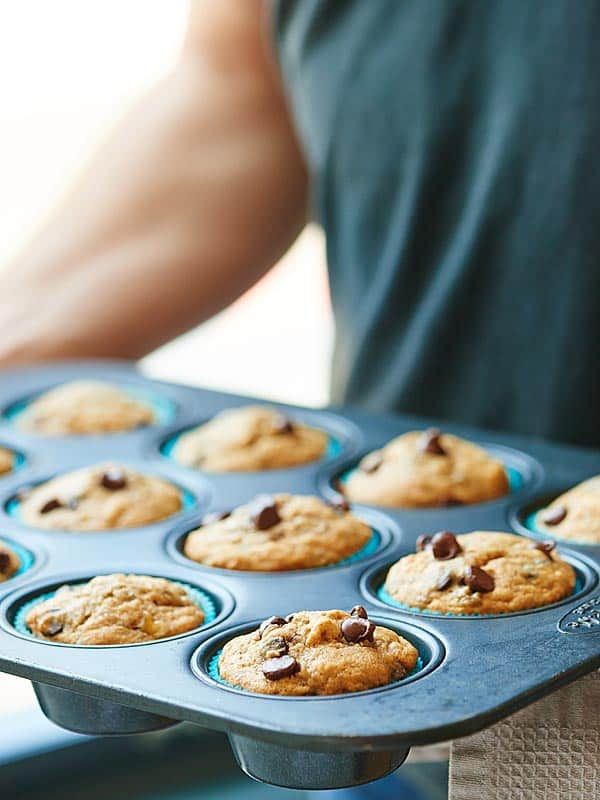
pixel 388 531
pixel 211 647
pixel 10 604
pixel 583 567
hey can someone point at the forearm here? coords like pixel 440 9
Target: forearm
pixel 195 196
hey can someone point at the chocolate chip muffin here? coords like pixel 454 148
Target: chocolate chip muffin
pixel 278 532
pixel 9 562
pixel 115 609
pixel 7 460
pixel 317 653
pixel 480 573
pixel 426 469
pixel 81 407
pixel 101 497
pixel 574 515
pixel 249 439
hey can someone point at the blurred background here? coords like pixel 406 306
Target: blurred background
pixel 68 71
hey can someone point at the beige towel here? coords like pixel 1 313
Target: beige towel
pixel 548 751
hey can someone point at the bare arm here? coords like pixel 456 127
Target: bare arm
pixel 194 197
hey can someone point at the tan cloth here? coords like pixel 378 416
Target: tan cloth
pixel 548 751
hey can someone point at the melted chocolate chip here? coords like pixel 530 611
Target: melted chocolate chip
pixel 429 442
pixel 51 505
pixel 445 546
pixel 263 512
pixel 359 611
pixel 444 581
pixel 275 647
pixel 215 516
pixel 546 548
pixel 289 618
pixel 283 667
pixel 282 424
pixel 114 479
pixel 340 504
pixel 423 541
pixel 271 621
pixel 478 580
pixel 371 462
pixel 355 629
pixel 554 516
pixel 51 627
pixel 5 562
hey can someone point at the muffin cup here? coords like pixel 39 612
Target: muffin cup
pixel 164 409
pixel 26 558
pixel 202 599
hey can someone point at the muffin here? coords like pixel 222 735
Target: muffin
pixel 81 407
pixel 574 515
pixel 115 609
pixel 479 573
pixel 317 653
pixel 98 498
pixel 426 469
pixel 278 532
pixel 249 439
pixel 7 460
pixel 9 562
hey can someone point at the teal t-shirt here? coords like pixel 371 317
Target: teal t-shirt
pixel 453 147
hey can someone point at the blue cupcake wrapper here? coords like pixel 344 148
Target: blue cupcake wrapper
pixel 334 447
pixel 26 558
pixel 212 668
pixel 386 598
pixel 188 500
pixel 163 408
pixel 202 599
pixel 515 478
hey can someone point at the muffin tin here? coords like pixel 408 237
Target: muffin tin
pixel 475 670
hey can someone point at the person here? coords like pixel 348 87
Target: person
pixel 447 148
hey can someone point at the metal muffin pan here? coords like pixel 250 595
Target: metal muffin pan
pixel 476 670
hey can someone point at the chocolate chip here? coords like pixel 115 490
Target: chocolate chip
pixel 51 505
pixel 359 611
pixel 340 504
pixel 263 512
pixel 445 546
pixel 371 462
pixel 478 580
pixel 275 647
pixel 50 627
pixel 546 548
pixel 215 516
pixel 444 581
pixel 429 442
pixel 114 479
pixel 355 629
pixel 423 541
pixel 282 424
pixel 276 668
pixel 271 621
pixel 5 562
pixel 553 516
pixel 289 618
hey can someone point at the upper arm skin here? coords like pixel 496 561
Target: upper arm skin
pixel 195 195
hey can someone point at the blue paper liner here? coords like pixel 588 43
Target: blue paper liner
pixel 26 558
pixel 164 409
pixel 515 478
pixel 202 599
pixel 334 448
pixel 212 668
pixel 188 500
pixel 386 598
